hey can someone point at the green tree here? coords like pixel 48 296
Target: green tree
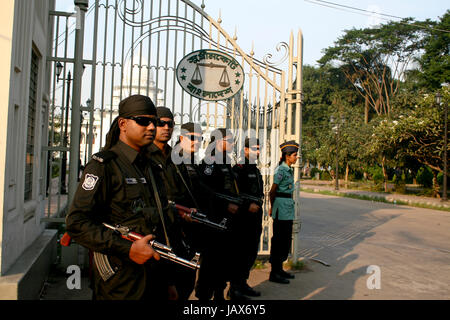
pixel 435 62
pixel 374 60
pixel 418 134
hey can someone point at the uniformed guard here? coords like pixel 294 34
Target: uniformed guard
pixel 160 154
pixel 118 187
pixel 282 211
pixel 185 156
pixel 218 175
pixel 247 224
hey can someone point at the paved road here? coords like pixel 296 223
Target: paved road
pixel 411 246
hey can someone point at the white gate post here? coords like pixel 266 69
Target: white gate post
pixel 298 137
pixel 81 7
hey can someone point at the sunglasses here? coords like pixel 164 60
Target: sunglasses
pixel 162 123
pixel 143 121
pixel 254 148
pixel 194 137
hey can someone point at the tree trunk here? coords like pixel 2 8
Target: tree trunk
pixel 366 111
pixel 347 169
pixel 435 185
pixel 385 176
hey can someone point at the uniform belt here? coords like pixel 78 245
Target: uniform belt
pixel 283 195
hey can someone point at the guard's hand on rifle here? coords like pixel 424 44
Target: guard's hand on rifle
pixel 141 251
pixel 186 216
pixel 254 208
pixel 233 208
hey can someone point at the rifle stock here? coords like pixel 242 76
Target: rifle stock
pixel 200 217
pixel 164 251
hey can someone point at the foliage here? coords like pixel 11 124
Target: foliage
pixel 418 134
pixel 376 173
pixel 374 60
pixel 378 85
pixel 435 62
pixel 425 177
pixel 325 175
pixel 313 172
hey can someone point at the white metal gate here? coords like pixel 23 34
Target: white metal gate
pixel 134 47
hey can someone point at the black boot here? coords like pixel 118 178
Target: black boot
pixel 286 275
pixel 236 294
pixel 249 291
pixel 218 295
pixel 276 277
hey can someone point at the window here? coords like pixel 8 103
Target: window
pixel 31 123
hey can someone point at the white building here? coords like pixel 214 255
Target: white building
pixel 26 248
pixel 103 118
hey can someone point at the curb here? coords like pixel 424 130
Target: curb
pixel 381 198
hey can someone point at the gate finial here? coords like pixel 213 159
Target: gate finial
pixel 219 21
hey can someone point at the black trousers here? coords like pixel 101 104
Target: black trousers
pixel 246 233
pixel 214 266
pixel 184 282
pixel 280 243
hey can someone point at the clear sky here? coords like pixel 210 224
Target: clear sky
pixel 268 22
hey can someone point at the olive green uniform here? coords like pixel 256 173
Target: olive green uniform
pixel 116 188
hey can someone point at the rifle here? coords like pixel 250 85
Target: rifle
pixel 165 251
pixel 250 198
pixel 240 198
pixel 200 217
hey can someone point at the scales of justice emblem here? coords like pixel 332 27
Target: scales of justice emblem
pixel 210 75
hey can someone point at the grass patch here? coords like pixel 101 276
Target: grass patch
pixel 259 264
pixel 377 199
pixel 299 265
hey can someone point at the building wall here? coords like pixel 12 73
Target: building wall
pixel 20 219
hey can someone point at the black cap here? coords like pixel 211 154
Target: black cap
pixel 219 134
pixel 250 141
pixel 191 127
pixel 163 112
pixel 136 105
pixel 289 146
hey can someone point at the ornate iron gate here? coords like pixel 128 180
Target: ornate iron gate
pixel 135 46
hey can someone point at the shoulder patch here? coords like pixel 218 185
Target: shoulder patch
pixel 90 181
pixel 104 156
pixel 208 170
pixel 280 176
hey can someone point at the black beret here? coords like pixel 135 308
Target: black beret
pixel 136 105
pixel 289 146
pixel 191 127
pixel 163 112
pixel 220 133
